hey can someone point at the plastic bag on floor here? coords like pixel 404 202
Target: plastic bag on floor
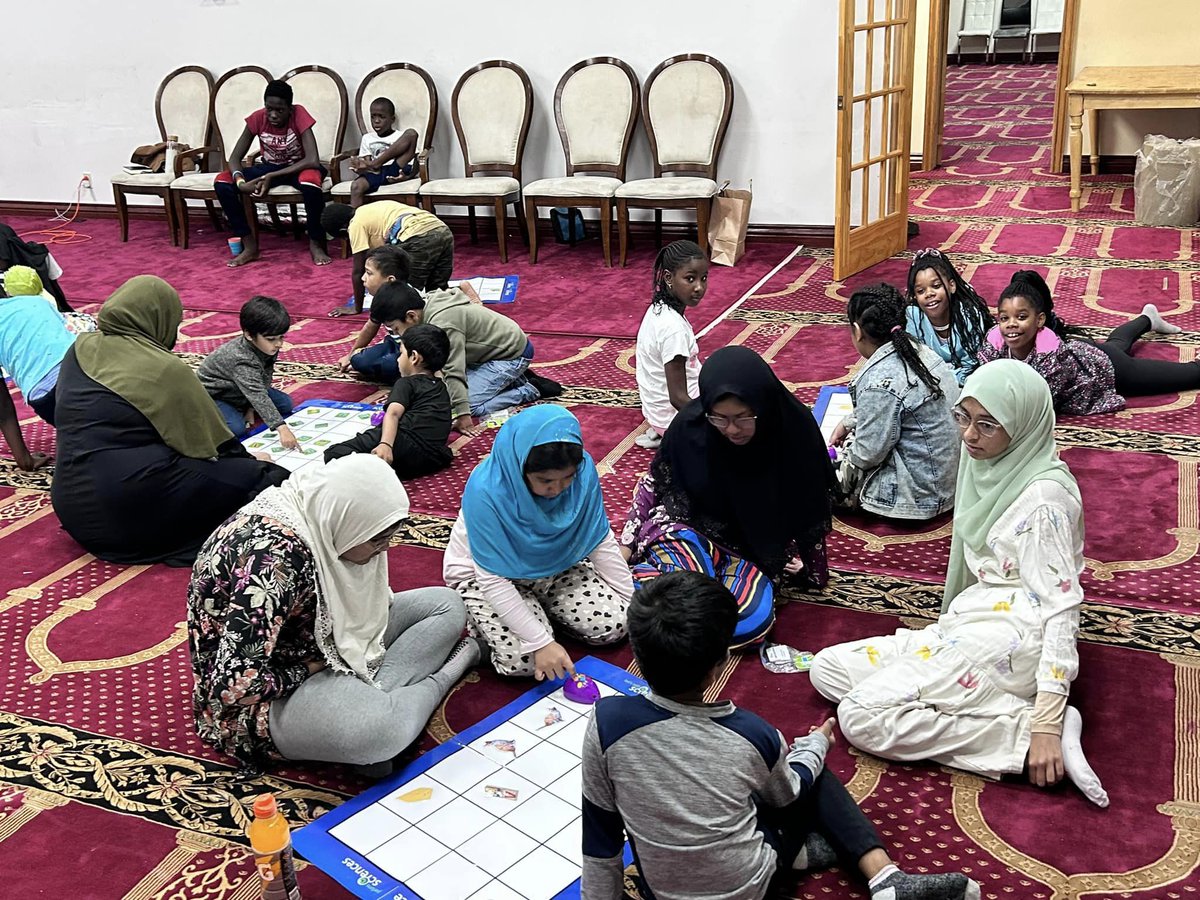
pixel 1166 182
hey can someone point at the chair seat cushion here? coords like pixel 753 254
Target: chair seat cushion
pixel 486 186
pixel 408 188
pixel 667 188
pixel 196 181
pixel 285 193
pixel 146 179
pixel 574 186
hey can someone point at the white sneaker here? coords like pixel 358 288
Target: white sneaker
pixel 649 439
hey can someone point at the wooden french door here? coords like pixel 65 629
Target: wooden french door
pixel 875 85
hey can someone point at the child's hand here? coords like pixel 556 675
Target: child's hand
pixel 552 661
pixel 344 362
pixel 466 426
pixel 1045 759
pixel 795 567
pixel 839 435
pixel 384 452
pixel 262 185
pixel 287 438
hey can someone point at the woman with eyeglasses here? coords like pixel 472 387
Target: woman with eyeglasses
pixel 741 490
pixel 299 647
pixel 985 688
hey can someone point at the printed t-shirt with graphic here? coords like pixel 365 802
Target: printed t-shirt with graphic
pixel 281 146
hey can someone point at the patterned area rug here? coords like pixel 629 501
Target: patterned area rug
pixel 100 768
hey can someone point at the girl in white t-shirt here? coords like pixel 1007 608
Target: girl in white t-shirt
pixel 668 359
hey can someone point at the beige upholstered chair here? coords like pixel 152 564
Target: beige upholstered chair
pixel 412 91
pixel 323 93
pixel 596 108
pixel 238 93
pixel 491 108
pixel 685 107
pixel 183 107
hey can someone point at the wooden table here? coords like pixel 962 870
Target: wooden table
pixel 1122 87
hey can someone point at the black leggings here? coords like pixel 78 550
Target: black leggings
pixel 1145 377
pixel 827 808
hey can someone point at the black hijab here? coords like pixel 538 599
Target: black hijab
pixel 760 497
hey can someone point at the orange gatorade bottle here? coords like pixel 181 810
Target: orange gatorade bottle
pixel 271 841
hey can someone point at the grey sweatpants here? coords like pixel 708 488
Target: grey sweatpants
pixel 340 718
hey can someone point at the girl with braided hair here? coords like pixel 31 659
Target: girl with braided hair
pixel 1085 378
pixel 668 358
pixel 899 447
pixel 946 314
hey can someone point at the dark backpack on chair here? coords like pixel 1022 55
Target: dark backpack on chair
pixel 568 225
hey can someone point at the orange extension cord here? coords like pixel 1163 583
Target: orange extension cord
pixel 61 234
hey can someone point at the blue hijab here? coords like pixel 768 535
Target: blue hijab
pixel 516 534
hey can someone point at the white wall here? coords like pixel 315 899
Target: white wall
pixel 82 98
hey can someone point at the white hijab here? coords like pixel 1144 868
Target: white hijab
pixel 332 508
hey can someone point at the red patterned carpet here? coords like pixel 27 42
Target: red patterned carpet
pixel 99 766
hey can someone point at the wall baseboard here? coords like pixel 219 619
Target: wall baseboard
pixel 809 235
pixel 980 59
pixel 1109 165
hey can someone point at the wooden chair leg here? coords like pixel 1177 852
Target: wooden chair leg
pixel 703 208
pixel 181 220
pixel 501 227
pixel 531 217
pixel 623 228
pixel 170 211
pixel 276 223
pixel 213 215
pixel 605 227
pixel 471 225
pixel 519 212
pixel 122 212
pixel 658 229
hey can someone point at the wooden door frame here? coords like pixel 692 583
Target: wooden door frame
pixel 1066 62
pixel 935 84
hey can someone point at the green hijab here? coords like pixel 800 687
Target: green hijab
pixel 131 356
pixel 1019 399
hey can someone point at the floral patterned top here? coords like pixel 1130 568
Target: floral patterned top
pixel 1030 580
pixel 252 605
pixel 649 521
pixel 1080 374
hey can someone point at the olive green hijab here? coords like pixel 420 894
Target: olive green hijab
pixel 131 356
pixel 1019 399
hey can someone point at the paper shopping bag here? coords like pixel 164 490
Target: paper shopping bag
pixel 727 225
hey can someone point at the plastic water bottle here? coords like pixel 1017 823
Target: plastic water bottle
pixel 271 840
pixel 172 153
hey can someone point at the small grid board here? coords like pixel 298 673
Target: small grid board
pixel 833 404
pixel 473 819
pixel 318 425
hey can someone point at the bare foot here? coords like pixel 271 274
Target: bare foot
pixel 248 255
pixel 341 310
pixel 319 256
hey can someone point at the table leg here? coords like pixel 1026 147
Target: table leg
pixel 1093 123
pixel 1075 145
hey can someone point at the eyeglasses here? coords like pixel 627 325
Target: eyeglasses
pixel 725 423
pixel 985 428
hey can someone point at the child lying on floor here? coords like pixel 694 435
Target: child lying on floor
pixel 714 801
pixel 237 375
pixel 416 422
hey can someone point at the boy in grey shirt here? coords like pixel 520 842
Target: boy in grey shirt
pixel 237 375
pixel 715 804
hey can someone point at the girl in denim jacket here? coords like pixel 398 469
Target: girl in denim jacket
pixel 899 455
